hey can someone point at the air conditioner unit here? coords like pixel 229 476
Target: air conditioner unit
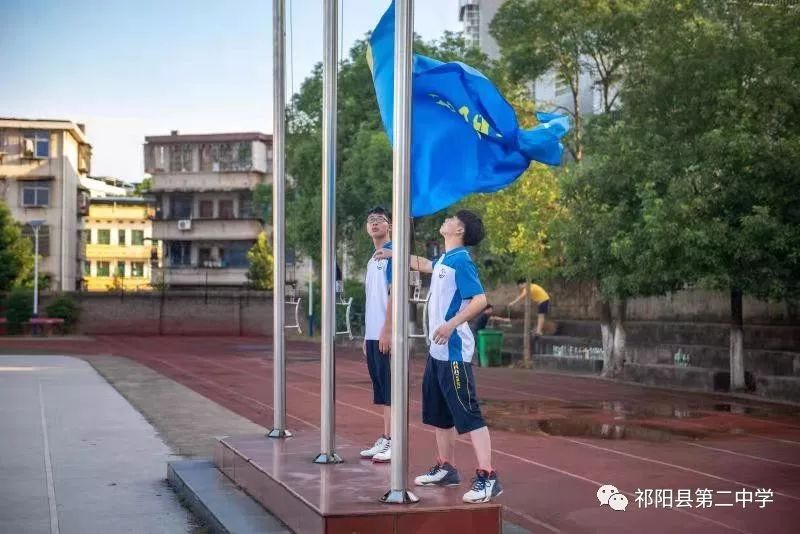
pixel 28 148
pixel 185 224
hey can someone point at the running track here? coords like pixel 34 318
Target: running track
pixel 675 440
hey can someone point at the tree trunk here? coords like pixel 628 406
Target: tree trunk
pixel 526 328
pixel 578 120
pixel 618 354
pixel 737 341
pixel 607 332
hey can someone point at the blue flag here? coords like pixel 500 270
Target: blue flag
pixel 465 135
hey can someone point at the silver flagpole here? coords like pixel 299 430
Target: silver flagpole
pixel 330 41
pixel 278 224
pixel 401 206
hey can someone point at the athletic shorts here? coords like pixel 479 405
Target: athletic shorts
pixel 379 366
pixel 448 396
pixel 544 307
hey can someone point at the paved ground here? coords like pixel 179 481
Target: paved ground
pixel 75 457
pixel 557 438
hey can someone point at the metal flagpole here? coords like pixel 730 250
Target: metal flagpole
pixel 328 454
pixel 278 224
pixel 401 179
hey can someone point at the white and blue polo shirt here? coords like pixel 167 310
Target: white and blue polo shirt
pixel 453 283
pixel 377 285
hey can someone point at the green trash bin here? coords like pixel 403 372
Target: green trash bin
pixel 490 348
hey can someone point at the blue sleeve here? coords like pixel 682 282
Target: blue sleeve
pixel 389 273
pixel 467 281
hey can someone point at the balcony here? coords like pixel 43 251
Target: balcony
pixel 206 181
pixel 116 252
pixel 206 229
pixel 198 276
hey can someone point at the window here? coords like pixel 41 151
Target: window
pixel 104 237
pixel 121 238
pixel 180 158
pixel 44 238
pixel 562 87
pixel 226 209
pixel 103 268
pixel 84 158
pixel 137 237
pixel 246 206
pixel 206 158
pixel 236 254
pixel 121 269
pixel 36 145
pixel 36 194
pixel 207 209
pixel 204 257
pixel 227 157
pixel 86 237
pixel 87 268
pixel 181 207
pixel 137 269
pixel 180 253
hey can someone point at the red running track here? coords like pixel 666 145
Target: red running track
pixel 556 438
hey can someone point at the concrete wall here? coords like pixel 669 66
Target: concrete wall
pixel 580 301
pixel 175 313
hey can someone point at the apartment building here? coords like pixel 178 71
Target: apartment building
pixel 119 248
pixel 205 217
pixel 41 163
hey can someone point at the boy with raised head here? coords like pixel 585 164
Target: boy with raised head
pixel 378 328
pixel 449 402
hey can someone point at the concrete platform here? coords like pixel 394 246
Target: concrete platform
pixel 342 498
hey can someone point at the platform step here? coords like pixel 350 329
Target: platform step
pixel 223 508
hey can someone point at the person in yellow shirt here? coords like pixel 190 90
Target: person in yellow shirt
pixel 538 296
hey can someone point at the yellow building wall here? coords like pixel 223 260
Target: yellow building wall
pixel 103 260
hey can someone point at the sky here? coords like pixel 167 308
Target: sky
pixel 132 68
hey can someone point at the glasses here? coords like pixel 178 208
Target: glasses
pixel 376 219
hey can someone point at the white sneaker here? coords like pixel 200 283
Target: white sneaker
pixel 385 456
pixel 439 475
pixel 485 487
pixel 382 445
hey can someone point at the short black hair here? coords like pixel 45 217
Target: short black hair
pixel 473 227
pixel 380 210
pixel 521 281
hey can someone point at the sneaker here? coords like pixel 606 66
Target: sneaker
pixel 485 487
pixel 439 475
pixel 382 445
pixel 384 457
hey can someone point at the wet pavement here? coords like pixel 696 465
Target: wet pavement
pixel 556 438
pixel 75 457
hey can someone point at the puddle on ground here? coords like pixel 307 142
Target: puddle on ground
pixel 590 429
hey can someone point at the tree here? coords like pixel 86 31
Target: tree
pixel 717 81
pixel 16 253
pixel 259 274
pixel 569 38
pixel 696 181
pixel 143 187
pixel 517 220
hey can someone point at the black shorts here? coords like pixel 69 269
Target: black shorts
pixel 448 396
pixel 544 307
pixel 379 366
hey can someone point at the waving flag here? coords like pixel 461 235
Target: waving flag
pixel 465 135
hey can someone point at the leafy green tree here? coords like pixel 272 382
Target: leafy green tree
pixel 16 252
pixel 143 187
pixel 261 260
pixel 569 38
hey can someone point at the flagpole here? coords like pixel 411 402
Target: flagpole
pixel 401 178
pixel 327 453
pixel 278 226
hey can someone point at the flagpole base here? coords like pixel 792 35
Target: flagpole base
pixel 399 497
pixel 328 458
pixel 279 433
